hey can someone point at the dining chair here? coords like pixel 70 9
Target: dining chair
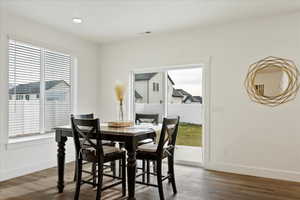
pixel 158 152
pixel 147 119
pixel 92 150
pixel 109 143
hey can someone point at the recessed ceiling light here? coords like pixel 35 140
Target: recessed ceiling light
pixel 77 20
pixel 145 33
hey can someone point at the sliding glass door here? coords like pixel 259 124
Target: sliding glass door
pixel 172 92
pixel 185 100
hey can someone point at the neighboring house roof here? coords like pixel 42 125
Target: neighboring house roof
pixel 169 77
pixel 137 95
pixel 183 92
pixel 180 93
pixel 34 87
pixel 148 76
pixel 176 93
pixel 193 99
pixel 197 99
pixel 144 76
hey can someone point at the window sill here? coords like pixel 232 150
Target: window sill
pixel 20 142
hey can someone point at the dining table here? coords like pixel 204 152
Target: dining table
pixel 129 136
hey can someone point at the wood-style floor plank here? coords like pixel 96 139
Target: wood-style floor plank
pixel 192 183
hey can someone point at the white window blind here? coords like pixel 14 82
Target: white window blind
pixel 39 89
pixel 58 89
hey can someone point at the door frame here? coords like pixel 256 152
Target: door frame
pixel 206 94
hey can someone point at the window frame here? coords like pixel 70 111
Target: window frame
pixel 73 88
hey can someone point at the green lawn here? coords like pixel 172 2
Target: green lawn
pixel 189 135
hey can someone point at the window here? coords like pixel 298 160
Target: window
pixel 155 87
pixel 19 97
pixel 44 74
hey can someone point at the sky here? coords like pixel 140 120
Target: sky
pixel 189 80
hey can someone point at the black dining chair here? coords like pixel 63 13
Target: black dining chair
pixel 92 150
pixel 158 152
pixel 108 143
pixel 148 119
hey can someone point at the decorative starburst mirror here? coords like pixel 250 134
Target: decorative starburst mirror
pixel 272 81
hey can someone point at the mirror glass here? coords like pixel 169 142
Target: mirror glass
pixel 270 81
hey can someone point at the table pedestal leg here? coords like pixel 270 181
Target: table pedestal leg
pixel 131 171
pixel 61 141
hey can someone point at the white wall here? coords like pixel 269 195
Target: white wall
pixel 20 158
pixel 245 137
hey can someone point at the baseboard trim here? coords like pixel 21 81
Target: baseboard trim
pixel 17 172
pixel 188 163
pixel 217 166
pixel 254 171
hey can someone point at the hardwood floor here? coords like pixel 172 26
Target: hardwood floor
pixel 192 183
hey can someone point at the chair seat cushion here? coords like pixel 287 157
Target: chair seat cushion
pixel 146 141
pixel 110 149
pixel 110 153
pixel 148 148
pixel 104 142
pixel 149 151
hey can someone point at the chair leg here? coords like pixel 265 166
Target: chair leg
pixel 100 179
pixel 120 169
pixel 121 146
pixel 143 170
pixel 75 172
pixel 154 167
pixel 171 172
pixel 148 171
pixel 159 180
pixel 94 172
pixel 78 179
pixel 113 168
pixel 124 175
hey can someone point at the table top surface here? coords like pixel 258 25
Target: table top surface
pixel 132 130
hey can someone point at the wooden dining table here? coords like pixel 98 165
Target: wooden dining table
pixel 130 136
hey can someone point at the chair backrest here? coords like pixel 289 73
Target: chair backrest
pixel 146 118
pixel 168 134
pixel 84 116
pixel 83 129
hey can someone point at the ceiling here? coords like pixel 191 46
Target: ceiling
pixel 112 20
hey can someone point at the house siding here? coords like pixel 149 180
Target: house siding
pixel 151 96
